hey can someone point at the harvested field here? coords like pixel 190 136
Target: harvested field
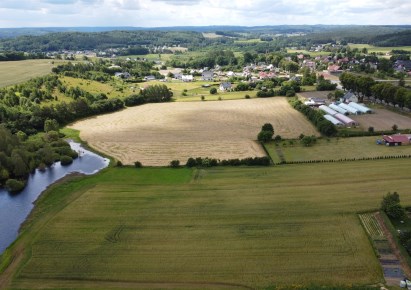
pixel 315 94
pixel 155 134
pixel 382 120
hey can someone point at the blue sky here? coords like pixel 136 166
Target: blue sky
pixel 156 13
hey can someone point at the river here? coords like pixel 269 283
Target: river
pixel 14 208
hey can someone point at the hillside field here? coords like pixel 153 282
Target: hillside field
pixel 207 228
pixel 15 72
pixel 155 134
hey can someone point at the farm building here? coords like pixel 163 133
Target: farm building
pixel 333 120
pixel 346 120
pixel 362 108
pixel 226 86
pixel 327 110
pixel 315 102
pixel 350 109
pixel 396 140
pixel 349 97
pixel 335 107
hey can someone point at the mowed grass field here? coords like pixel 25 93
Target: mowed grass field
pixel 15 72
pixel 335 149
pixel 208 228
pixel 155 134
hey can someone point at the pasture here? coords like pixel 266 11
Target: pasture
pixel 335 149
pixel 208 228
pixel 15 72
pixel 155 134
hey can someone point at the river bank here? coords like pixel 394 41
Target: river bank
pixel 15 208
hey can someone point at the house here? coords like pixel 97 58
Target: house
pixel 178 76
pixel 187 78
pixel 121 75
pixel 396 140
pixel 402 65
pixel 266 75
pixel 207 75
pixel 350 97
pixel 226 86
pixel 334 68
pixel 149 78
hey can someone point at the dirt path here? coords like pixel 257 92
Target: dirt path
pixel 395 252
pixel 7 275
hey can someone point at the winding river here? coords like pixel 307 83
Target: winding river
pixel 14 208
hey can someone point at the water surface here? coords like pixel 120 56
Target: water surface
pixel 14 208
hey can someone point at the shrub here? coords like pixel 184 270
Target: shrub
pixel 119 163
pixel 138 164
pixel 66 160
pixel 213 91
pixel 394 127
pixel 267 127
pixel 247 96
pixel 371 129
pixel 14 185
pixel 175 163
pixel 191 162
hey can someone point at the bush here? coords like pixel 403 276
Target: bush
pixel 119 163
pixel 247 96
pixel 191 162
pixel 138 164
pixel 66 160
pixel 14 185
pixel 371 129
pixel 213 91
pixel 175 163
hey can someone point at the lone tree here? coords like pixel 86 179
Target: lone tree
pixel 390 204
pixel 213 91
pixel 266 133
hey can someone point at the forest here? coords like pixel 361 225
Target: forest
pixel 272 38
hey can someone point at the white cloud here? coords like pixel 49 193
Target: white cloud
pixel 150 13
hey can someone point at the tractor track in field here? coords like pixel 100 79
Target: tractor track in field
pixel 74 283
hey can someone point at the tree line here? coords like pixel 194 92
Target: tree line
pixel 19 156
pixel 365 87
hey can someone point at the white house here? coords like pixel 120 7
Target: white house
pixel 226 86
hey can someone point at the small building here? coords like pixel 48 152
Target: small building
pixel 187 78
pixel 396 140
pixel 226 86
pixel 207 75
pixel 149 78
pixel 350 97
pixel 314 102
pixel 334 69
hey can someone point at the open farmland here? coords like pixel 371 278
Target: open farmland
pixel 382 120
pixel 335 149
pixel 15 72
pixel 155 134
pixel 208 228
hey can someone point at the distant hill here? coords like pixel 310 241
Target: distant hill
pixel 272 29
pixel 402 38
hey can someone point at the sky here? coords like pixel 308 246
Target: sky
pixel 162 13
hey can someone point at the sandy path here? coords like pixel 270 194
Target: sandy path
pixel 155 134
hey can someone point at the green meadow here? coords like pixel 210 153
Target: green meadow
pixel 15 72
pixel 245 227
pixel 334 149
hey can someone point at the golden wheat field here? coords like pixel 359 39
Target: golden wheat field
pixel 155 134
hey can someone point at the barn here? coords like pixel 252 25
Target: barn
pixel 396 140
